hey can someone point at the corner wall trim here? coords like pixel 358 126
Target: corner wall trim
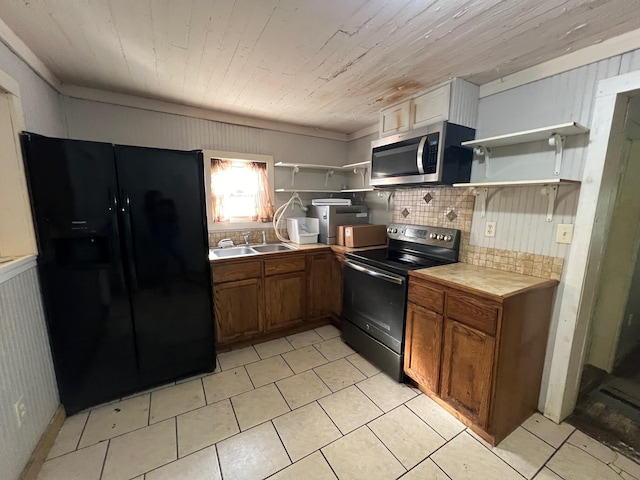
pixel 40 452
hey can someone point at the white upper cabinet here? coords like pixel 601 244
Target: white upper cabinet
pixel 431 107
pixel 455 101
pixel 395 119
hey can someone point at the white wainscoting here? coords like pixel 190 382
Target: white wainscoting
pixel 26 368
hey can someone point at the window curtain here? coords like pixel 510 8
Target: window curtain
pixel 218 166
pixel 264 200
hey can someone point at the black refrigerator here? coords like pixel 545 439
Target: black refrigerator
pixel 123 265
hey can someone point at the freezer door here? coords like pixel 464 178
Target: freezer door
pixel 72 185
pixel 164 228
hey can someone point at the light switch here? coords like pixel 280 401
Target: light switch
pixel 564 233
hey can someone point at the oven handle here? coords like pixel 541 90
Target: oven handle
pixel 374 273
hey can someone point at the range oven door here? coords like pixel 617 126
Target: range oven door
pixel 375 301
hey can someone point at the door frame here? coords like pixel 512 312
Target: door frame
pixel 19 238
pixel 597 200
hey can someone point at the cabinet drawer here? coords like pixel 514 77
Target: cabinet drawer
pixel 473 311
pixel 425 295
pixel 283 264
pixel 228 272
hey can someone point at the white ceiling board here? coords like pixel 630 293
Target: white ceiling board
pixel 332 64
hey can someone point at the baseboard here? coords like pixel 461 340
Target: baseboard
pixel 39 454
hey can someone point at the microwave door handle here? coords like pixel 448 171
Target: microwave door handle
pixel 419 163
pixel 374 273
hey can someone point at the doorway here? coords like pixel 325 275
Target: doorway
pixel 609 402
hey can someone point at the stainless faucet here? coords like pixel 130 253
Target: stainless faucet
pixel 245 235
pixel 264 238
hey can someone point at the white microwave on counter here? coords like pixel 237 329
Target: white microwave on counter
pixel 429 155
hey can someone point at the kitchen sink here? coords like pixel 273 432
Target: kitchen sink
pixel 272 247
pixel 232 252
pixel 242 251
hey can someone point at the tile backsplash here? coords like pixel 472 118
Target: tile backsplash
pixel 453 208
pixel 255 235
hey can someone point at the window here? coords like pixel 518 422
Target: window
pixel 239 190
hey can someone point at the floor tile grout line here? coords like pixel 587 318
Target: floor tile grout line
pixel 125 433
pixel 366 425
pixel 327 460
pixel 493 453
pixel 248 376
pixel 422 419
pixel 593 456
pixel 186 456
pixel 425 460
pixel 371 399
pixel 566 441
pixel 282 442
pixel 77 443
pixel 104 461
pixel 356 367
pixel 149 411
pixel 538 436
pixel 175 425
pixel 441 447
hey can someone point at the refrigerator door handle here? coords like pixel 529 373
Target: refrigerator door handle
pixel 115 235
pixel 128 238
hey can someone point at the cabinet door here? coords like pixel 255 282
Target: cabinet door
pixel 319 288
pixel 336 284
pixel 239 309
pixel 284 299
pixel 423 346
pixel 431 107
pixel 395 119
pixel 467 370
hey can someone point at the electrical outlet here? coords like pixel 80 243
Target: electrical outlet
pixel 564 233
pixel 490 229
pixel 20 410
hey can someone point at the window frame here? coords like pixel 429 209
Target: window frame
pixel 236 157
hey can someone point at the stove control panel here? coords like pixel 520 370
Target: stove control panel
pixel 425 235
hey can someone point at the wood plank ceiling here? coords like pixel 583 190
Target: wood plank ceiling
pixel 330 64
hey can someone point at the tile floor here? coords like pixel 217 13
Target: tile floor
pixel 308 407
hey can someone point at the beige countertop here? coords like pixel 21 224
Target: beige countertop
pixel 490 281
pixel 297 248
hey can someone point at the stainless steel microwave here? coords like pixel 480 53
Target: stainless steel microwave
pixel 430 155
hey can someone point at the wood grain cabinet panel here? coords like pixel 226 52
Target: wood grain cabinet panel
pixel 284 264
pixel 473 311
pixel 284 299
pixel 235 270
pixel 239 309
pixel 466 370
pixel 423 346
pixel 336 284
pixel 421 293
pixel 319 287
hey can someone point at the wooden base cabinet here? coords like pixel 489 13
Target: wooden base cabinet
pixel 238 309
pixel 478 355
pixel 257 298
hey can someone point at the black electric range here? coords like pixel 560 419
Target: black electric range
pixel 376 286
